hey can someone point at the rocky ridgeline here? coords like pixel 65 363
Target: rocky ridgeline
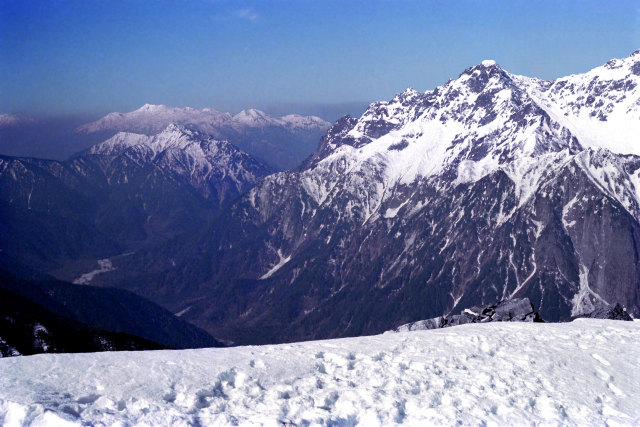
pixel 513 310
pixel 611 312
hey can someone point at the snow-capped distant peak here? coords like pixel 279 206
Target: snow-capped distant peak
pixel 253 118
pixel 178 129
pixel 256 118
pixel 10 120
pixel 411 91
pixel 152 107
pixel 119 143
pixel 296 121
pixel 184 150
pixel 251 112
pixel 173 135
pixel 151 119
pixel 482 72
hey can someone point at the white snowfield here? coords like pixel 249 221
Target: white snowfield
pixel 582 373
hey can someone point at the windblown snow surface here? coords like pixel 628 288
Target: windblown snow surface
pixel 580 373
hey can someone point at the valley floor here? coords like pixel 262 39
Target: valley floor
pixel 580 373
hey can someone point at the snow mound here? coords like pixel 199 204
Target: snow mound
pixel 579 373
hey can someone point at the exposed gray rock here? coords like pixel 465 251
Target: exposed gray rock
pixel 513 310
pixel 611 312
pixel 435 323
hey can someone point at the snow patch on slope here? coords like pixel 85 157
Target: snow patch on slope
pixel 104 265
pixel 281 262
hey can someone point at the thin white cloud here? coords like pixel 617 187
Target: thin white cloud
pixel 248 13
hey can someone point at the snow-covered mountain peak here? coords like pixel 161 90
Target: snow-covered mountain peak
pixel 153 107
pixel 408 92
pixel 484 121
pixel 486 75
pixel 179 131
pixel 407 96
pixel 119 143
pixel 254 118
pixel 173 136
pixel 488 65
pixel 216 167
pixel 296 121
pixel 470 126
pixel 10 120
pixel 151 119
pixel 600 107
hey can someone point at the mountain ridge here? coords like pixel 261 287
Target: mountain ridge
pixel 493 193
pixel 122 194
pixel 282 142
pixel 476 191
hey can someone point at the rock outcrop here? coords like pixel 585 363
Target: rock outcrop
pixel 611 312
pixel 513 310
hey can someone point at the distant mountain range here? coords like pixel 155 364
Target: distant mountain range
pixel 492 186
pixel 151 119
pixel 11 120
pixel 282 142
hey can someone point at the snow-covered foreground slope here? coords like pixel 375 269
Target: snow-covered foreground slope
pixel 579 373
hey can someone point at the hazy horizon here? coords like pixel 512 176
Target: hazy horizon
pixel 89 58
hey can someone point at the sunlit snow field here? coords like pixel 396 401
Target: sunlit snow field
pixel 582 373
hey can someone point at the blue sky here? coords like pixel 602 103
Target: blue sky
pixel 89 57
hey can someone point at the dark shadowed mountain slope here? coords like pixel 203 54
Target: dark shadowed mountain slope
pixel 27 328
pixel 127 192
pixel 112 311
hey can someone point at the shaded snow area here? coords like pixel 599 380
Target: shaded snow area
pixel 579 373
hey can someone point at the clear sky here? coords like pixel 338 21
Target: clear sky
pixel 62 57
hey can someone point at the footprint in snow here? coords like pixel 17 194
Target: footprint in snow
pixel 615 389
pixel 603 374
pixel 601 359
pixel 259 364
